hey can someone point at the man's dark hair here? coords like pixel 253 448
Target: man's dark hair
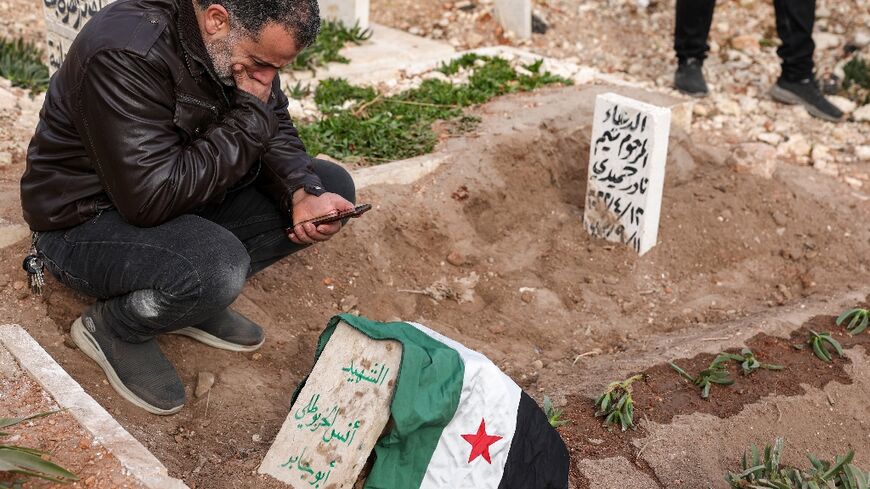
pixel 301 18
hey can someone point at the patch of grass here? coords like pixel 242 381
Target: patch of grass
pixel 333 36
pixel 363 125
pixel 299 91
pixel 860 319
pixel 747 360
pixel 27 461
pixel 766 471
pixel 819 343
pixel 616 403
pixel 21 63
pixel 856 80
pixel 554 415
pixel 716 374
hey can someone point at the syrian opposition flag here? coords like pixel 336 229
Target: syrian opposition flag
pixel 459 421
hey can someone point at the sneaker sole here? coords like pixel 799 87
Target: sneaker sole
pixel 215 342
pixel 693 94
pixel 785 97
pixel 89 346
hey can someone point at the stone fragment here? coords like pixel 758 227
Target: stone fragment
pixel 842 103
pixel 862 153
pixel 826 40
pixel 745 43
pixel 515 16
pixel 862 114
pixel 348 303
pixel 5 158
pixel 204 383
pixel 821 152
pixel 757 159
pixel 12 233
pixel 456 258
pixel 796 145
pixel 861 38
pixel 8 100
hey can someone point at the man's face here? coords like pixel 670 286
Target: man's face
pixel 261 58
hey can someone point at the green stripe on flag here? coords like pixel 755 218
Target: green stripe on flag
pixel 425 400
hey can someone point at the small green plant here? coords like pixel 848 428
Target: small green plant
pixel 27 461
pixel 333 36
pixel 860 318
pixel 749 363
pixel 363 125
pixel 21 63
pixel 767 472
pixel 299 91
pixel 716 374
pixel 554 415
pixel 819 342
pixel 616 404
pixel 856 80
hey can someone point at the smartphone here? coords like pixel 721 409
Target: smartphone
pixel 355 212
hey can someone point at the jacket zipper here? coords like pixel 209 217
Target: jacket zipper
pixel 195 101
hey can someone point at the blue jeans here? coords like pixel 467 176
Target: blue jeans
pixel 184 271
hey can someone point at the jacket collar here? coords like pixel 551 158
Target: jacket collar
pixel 199 62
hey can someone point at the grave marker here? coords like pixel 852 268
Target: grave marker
pixel 349 12
pixel 515 16
pixel 339 414
pixel 64 19
pixel 626 171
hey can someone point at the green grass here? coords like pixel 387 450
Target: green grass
pixel 765 470
pixel 554 415
pixel 21 63
pixel 856 83
pixel 374 128
pixel 28 461
pixel 333 36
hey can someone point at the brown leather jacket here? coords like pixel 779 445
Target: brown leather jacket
pixel 136 119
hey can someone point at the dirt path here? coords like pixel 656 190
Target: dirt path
pixel 505 212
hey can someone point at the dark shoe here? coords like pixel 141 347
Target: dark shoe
pixel 689 78
pixel 138 371
pixel 806 92
pixel 228 330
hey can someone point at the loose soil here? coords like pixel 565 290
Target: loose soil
pixel 549 302
pixel 663 394
pixel 59 434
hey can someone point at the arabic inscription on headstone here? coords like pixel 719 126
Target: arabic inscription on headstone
pixel 64 19
pixel 626 171
pixel 339 414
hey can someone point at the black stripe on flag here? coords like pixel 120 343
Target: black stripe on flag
pixel 538 458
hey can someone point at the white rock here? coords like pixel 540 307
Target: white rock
pixel 770 138
pixel 862 38
pixel 821 153
pixel 842 103
pixel 862 153
pixel 12 233
pixel 862 113
pixel 758 159
pixel 796 145
pixel 5 158
pixel 826 40
pixel 294 107
pixel 728 107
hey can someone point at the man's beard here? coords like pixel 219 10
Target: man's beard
pixel 221 51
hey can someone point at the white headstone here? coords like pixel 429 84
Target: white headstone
pixel 348 12
pixel 515 16
pixel 339 414
pixel 64 19
pixel 626 171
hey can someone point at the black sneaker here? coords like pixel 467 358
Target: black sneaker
pixel 806 92
pixel 138 371
pixel 689 78
pixel 228 330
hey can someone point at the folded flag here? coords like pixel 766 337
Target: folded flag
pixel 458 421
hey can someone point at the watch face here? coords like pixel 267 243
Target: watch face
pixel 315 190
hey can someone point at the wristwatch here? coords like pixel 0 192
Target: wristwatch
pixel 315 190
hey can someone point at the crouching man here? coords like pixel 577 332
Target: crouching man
pixel 165 171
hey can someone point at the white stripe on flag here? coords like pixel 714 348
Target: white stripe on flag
pixel 487 394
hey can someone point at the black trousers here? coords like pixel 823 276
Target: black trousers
pixel 794 23
pixel 184 271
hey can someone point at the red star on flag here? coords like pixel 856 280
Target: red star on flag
pixel 480 443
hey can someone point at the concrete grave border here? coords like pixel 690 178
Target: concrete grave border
pixel 135 459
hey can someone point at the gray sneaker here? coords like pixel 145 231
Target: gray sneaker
pixel 228 330
pixel 689 78
pixel 137 371
pixel 807 93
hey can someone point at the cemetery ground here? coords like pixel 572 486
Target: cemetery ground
pixel 490 250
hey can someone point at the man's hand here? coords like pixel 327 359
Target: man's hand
pixel 245 83
pixel 307 206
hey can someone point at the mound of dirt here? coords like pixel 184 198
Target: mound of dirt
pixel 500 226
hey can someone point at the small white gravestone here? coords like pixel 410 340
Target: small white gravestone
pixel 339 414
pixel 515 16
pixel 348 12
pixel 64 19
pixel 626 171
